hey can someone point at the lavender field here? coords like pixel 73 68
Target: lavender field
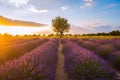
pixel 59 39
pixel 60 59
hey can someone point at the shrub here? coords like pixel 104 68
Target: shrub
pixel 89 45
pixel 115 60
pixel 115 43
pixel 82 64
pixel 16 50
pixel 39 64
pixel 74 39
pixel 104 51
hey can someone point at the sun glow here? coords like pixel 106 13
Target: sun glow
pixel 22 30
pixel 3 22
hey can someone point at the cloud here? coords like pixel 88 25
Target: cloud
pixel 74 30
pixel 18 3
pixel 45 30
pixel 82 30
pixel 96 26
pixel 111 5
pixel 116 28
pixel 9 22
pixel 91 24
pixel 79 30
pixel 33 9
pixel 87 4
pixel 63 8
pixel 103 28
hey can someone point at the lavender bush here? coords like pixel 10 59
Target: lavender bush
pixel 89 45
pixel 82 64
pixel 115 59
pixel 115 43
pixel 18 41
pixel 74 39
pixel 39 64
pixel 64 40
pixel 14 51
pixel 104 50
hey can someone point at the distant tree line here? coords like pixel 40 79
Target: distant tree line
pixel 112 33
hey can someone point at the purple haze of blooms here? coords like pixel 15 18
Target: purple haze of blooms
pixel 115 42
pixel 104 50
pixel 82 64
pixel 86 43
pixel 39 64
pixel 74 39
pixel 89 45
pixel 16 50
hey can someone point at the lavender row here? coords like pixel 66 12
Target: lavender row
pixel 108 49
pixel 18 41
pixel 39 64
pixel 82 64
pixel 87 43
pixel 14 51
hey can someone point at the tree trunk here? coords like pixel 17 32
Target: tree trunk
pixel 61 35
pixel 57 34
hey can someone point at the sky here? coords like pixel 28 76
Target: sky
pixel 85 16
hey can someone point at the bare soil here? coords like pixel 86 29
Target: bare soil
pixel 60 72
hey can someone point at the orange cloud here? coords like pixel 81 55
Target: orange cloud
pixel 9 22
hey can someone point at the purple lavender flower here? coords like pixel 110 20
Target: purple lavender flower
pixel 82 64
pixel 39 64
pixel 104 51
pixel 14 51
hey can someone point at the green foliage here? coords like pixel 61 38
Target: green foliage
pixel 89 45
pixel 60 25
pixel 115 33
pixel 90 70
pixel 104 50
pixel 112 33
pixel 115 59
pixel 116 62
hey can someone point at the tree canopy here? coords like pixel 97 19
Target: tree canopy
pixel 60 25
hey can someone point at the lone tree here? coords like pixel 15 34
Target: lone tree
pixel 60 25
